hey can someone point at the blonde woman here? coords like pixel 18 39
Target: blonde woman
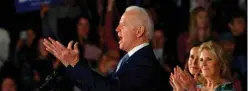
pixel 214 68
pixel 199 31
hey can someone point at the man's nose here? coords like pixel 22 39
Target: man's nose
pixel 118 28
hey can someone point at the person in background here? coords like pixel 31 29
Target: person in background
pixel 85 40
pixel 25 55
pixel 161 51
pixel 83 30
pixel 8 84
pixel 5 43
pixel 44 62
pixel 237 26
pixel 26 46
pixel 192 69
pixel 106 63
pixel 199 31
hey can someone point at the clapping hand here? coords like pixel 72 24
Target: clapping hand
pixel 68 56
pixel 175 80
pixel 182 80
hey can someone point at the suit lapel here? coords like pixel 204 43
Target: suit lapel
pixel 131 58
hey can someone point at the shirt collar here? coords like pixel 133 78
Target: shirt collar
pixel 135 49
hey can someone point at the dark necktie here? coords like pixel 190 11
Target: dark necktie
pixel 122 61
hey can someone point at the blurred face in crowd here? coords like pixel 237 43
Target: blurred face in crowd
pixel 228 46
pixel 31 36
pixel 202 23
pixel 83 28
pixel 193 61
pixel 109 62
pixel 237 26
pixel 158 39
pixel 126 32
pixel 42 49
pixel 202 19
pixel 208 63
pixel 8 85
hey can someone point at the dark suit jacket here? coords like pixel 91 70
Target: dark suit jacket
pixel 141 72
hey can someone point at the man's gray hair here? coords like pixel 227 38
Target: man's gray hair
pixel 144 19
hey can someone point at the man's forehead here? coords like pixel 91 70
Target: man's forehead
pixel 123 18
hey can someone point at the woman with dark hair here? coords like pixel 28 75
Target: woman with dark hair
pixel 192 69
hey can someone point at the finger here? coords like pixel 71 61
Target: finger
pixel 69 46
pixel 48 45
pixel 175 72
pixel 183 79
pixel 179 69
pixel 59 44
pixel 47 41
pixel 50 50
pixel 75 46
pixel 60 47
pixel 52 40
pixel 54 53
pixel 172 85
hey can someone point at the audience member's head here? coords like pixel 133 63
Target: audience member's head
pixel 108 61
pixel 158 40
pixel 8 84
pixel 135 28
pixel 192 66
pixel 83 27
pixel 158 43
pixel 31 35
pixel 236 23
pixel 213 62
pixel 227 41
pixel 42 52
pixel 199 28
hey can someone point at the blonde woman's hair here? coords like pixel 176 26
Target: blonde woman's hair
pixel 193 33
pixel 222 60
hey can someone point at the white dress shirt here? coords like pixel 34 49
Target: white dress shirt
pixel 135 49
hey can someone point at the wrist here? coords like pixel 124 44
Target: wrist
pixel 74 63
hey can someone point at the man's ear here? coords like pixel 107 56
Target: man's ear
pixel 140 31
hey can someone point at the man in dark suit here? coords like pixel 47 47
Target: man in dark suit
pixel 138 70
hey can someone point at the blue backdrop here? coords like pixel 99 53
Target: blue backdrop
pixel 31 5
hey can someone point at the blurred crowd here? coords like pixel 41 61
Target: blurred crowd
pixel 180 25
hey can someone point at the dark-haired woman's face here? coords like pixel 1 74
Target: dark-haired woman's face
pixel 202 19
pixel 193 61
pixel 83 28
